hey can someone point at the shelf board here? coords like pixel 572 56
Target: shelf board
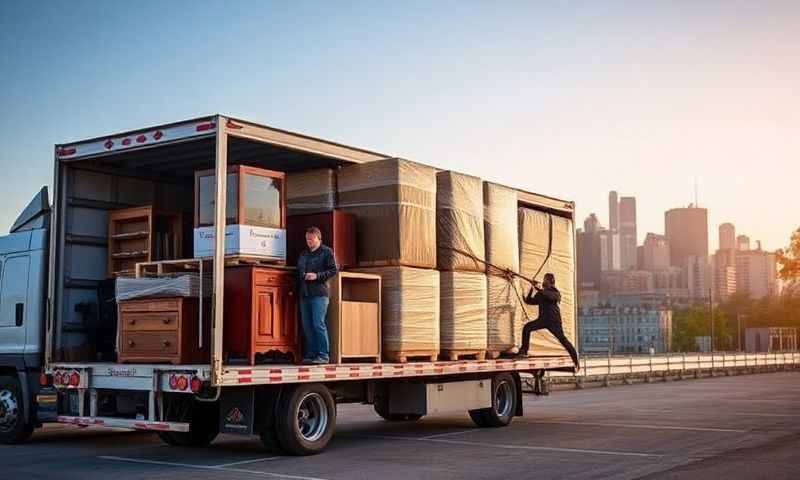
pixel 131 235
pixel 137 254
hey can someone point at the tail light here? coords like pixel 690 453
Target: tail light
pixel 196 385
pixel 74 379
pixel 183 384
pixel 203 127
pixel 43 380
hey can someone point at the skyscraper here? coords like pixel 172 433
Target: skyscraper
pixel 589 256
pixel 655 253
pixel 727 236
pixel 613 211
pixel 742 242
pixel 756 273
pixel 686 230
pixel 627 232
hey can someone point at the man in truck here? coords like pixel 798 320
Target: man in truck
pixel 547 298
pixel 316 265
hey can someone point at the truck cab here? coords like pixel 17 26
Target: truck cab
pixel 23 293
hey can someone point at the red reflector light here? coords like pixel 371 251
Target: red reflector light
pixel 43 379
pixel 183 384
pixel 141 139
pixel 108 144
pixel 74 379
pixel 173 382
pixel 196 384
pixel 66 151
pixel 126 142
pixel 158 135
pixel 205 126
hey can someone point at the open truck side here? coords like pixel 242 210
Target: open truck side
pixel 288 406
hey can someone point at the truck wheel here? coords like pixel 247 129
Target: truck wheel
pixel 203 421
pixel 305 419
pixel 504 403
pixel 13 428
pixel 382 409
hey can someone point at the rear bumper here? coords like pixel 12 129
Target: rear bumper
pixel 123 423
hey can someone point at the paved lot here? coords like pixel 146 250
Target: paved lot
pixel 729 427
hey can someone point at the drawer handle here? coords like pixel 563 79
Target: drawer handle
pixel 132 322
pixel 131 343
pixel 167 320
pixel 166 343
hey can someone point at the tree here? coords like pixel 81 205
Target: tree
pixel 789 259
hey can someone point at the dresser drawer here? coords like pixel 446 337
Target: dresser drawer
pixel 159 321
pixel 273 279
pixel 150 343
pixel 151 305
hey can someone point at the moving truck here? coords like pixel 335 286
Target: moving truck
pixel 57 347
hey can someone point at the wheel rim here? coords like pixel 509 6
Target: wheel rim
pixel 9 410
pixel 503 399
pixel 312 417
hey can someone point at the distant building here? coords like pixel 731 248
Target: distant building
pixel 723 281
pixel 698 277
pixel 686 230
pixel 742 243
pixel 609 250
pixel 771 339
pixel 627 233
pixel 655 253
pixel 727 236
pixel 626 281
pixel 756 273
pixel 613 211
pixel 610 330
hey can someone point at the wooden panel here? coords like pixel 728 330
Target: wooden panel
pixel 338 232
pixel 150 305
pixel 360 329
pixel 272 278
pixel 265 299
pixel 161 321
pixel 165 343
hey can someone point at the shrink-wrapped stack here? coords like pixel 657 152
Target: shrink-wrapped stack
pixel 535 240
pixel 169 285
pixel 409 312
pixel 310 191
pixel 504 313
pixel 394 201
pixel 463 314
pixel 459 222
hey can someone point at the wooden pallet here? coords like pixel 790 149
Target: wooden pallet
pixel 453 355
pixel 158 268
pixel 405 356
pixel 495 354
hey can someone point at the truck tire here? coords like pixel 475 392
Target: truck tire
pixel 504 403
pixel 305 419
pixel 382 409
pixel 13 428
pixel 203 421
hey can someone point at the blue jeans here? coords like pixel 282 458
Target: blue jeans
pixel 313 311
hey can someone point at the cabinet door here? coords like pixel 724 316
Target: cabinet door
pixel 267 319
pixel 288 309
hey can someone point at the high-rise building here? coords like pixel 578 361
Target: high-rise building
pixel 627 232
pixel 742 242
pixel 655 253
pixel 723 264
pixel 613 211
pixel 756 273
pixel 686 230
pixel 698 277
pixel 609 250
pixel 727 237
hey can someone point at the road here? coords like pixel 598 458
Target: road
pixel 725 427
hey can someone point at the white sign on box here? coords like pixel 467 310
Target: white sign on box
pixel 242 240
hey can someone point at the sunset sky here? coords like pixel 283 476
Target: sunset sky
pixel 570 99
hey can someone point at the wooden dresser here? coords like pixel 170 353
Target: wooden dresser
pixel 162 330
pixel 260 316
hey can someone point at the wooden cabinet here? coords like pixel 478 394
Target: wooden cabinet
pixel 354 317
pixel 255 197
pixel 141 234
pixel 163 330
pixel 260 315
pixel 338 232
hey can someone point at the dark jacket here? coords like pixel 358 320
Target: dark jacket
pixel 322 262
pixel 548 300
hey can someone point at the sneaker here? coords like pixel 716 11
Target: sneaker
pixel 308 361
pixel 521 355
pixel 320 361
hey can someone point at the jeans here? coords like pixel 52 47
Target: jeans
pixel 555 328
pixel 313 312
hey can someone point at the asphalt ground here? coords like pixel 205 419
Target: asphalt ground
pixel 726 427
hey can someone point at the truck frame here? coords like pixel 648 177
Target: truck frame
pixel 291 407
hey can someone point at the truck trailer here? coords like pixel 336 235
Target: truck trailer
pixel 59 350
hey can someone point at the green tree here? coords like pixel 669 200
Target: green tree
pixel 694 322
pixel 789 259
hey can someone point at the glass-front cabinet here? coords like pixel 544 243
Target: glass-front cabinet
pixel 255 197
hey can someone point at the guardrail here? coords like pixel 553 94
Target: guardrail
pixel 664 366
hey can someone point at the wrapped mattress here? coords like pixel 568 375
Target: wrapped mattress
pixel 310 191
pixel 534 238
pixel 171 285
pixel 463 312
pixel 459 222
pixel 394 202
pixel 409 310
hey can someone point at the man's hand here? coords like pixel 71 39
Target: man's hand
pixel 311 276
pixel 537 285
